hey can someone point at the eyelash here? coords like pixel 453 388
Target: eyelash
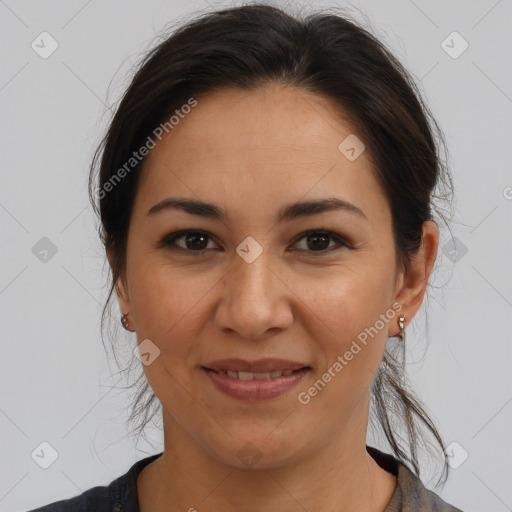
pixel 168 242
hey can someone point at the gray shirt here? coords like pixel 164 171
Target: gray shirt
pixel 410 494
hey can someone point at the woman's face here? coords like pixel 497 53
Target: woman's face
pixel 254 286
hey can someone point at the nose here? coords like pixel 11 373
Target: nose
pixel 255 300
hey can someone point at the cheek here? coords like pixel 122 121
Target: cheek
pixel 166 304
pixel 172 306
pixel 167 309
pixel 333 304
pixel 333 307
pixel 348 329
pixel 343 302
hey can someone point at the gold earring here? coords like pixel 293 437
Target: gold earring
pixel 401 324
pixel 125 321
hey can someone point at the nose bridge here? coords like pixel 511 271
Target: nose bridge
pixel 252 301
pixel 251 274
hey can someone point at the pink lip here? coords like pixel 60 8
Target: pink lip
pixel 255 389
pixel 259 366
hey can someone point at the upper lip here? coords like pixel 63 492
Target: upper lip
pixel 259 366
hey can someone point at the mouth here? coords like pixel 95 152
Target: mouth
pixel 256 380
pixel 241 375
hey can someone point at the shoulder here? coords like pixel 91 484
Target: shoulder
pixel 119 496
pixel 96 498
pixel 410 494
pixel 414 496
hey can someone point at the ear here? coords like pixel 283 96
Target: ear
pixel 121 287
pixel 412 283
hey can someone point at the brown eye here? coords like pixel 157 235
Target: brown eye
pixel 197 242
pixel 319 241
pixel 193 241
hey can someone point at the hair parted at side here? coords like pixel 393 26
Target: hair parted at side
pixel 322 52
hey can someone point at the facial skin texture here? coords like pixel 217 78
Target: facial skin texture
pixel 251 153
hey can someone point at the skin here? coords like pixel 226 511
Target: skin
pixel 251 153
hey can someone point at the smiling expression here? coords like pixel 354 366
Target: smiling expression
pixel 253 173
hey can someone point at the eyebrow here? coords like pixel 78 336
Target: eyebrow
pixel 288 213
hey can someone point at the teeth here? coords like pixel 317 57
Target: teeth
pixel 257 376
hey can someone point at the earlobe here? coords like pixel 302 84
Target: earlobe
pixel 124 304
pixel 414 279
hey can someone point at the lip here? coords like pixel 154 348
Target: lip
pixel 256 389
pixel 259 366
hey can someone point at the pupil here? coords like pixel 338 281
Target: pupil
pixel 319 245
pixel 195 237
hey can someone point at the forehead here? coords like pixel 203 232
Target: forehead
pixel 271 143
pixel 272 118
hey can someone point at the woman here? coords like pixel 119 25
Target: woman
pixel 265 194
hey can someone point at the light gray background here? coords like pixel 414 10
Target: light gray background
pixel 57 384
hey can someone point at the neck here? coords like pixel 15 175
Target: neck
pixel 338 476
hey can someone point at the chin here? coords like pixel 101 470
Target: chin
pixel 256 452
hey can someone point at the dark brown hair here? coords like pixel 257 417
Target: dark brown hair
pixel 324 53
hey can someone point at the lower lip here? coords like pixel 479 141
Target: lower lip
pixel 255 389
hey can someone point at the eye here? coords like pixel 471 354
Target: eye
pixel 196 241
pixel 319 241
